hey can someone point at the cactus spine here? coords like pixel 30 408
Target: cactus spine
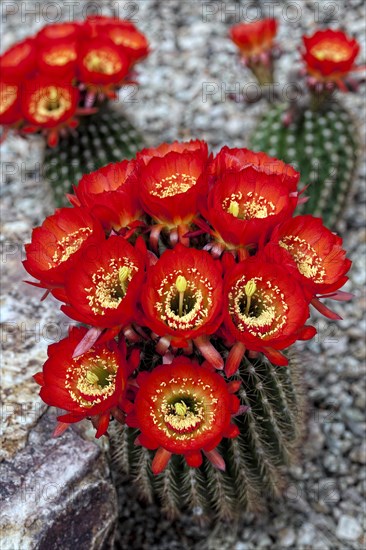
pixel 269 433
pixel 99 139
pixel 322 145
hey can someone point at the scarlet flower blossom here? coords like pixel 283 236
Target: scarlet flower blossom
pixel 254 38
pixel 104 290
pixel 317 252
pixel 182 299
pixel 243 207
pixel 111 194
pixel 49 106
pixel 171 183
pixel 91 385
pixel 123 34
pixel 58 59
pixel 102 63
pixel 145 155
pixel 235 159
pixel 62 239
pixel 330 55
pixel 184 408
pixel 133 42
pixel 59 32
pixel 19 60
pixel 265 310
pixel 10 112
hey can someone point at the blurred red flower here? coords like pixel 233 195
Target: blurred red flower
pixel 254 38
pixel 330 55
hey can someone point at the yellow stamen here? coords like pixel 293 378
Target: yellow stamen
pixel 53 93
pixel 123 274
pixel 181 284
pixel 234 209
pixel 181 408
pixel 249 289
pixel 91 377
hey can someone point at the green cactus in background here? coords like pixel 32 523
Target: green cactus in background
pixel 322 145
pixel 269 432
pixel 100 139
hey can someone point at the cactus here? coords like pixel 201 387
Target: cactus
pixel 269 433
pixel 99 139
pixel 322 145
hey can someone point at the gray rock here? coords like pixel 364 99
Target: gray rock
pixel 56 493
pixel 348 528
pixel 286 537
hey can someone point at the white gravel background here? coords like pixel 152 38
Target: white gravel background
pixel 323 505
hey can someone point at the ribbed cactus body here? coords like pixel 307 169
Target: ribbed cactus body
pixel 100 139
pixel 322 146
pixel 269 431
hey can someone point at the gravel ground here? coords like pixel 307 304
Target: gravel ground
pixel 323 505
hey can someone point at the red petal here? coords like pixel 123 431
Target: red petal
pixel 340 296
pixel 216 459
pixel 276 357
pixel 38 377
pixel 102 423
pixel 324 310
pixel 209 352
pixel 60 428
pixel 232 431
pixel 306 333
pixel 161 459
pixel 194 459
pixel 87 341
pixel 234 358
pixel 232 387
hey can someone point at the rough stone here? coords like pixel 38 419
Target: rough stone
pixel 348 528
pixel 56 493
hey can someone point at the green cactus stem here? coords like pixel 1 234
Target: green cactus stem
pixel 100 139
pixel 322 145
pixel 269 433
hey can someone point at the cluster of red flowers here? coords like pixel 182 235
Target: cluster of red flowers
pixel 200 257
pixel 48 80
pixel 329 55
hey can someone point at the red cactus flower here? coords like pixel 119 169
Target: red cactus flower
pixel 243 207
pixel 125 35
pixel 57 245
pixel 317 252
pixel 254 38
pixel 103 290
pixel 58 59
pixel 19 61
pixel 10 112
pixel 265 309
pixel 102 63
pixel 91 385
pixel 111 194
pixel 96 25
pixel 182 299
pixel 46 103
pixel 234 159
pixel 330 55
pixel 112 177
pixel 175 147
pixel 183 408
pixel 59 32
pixel 172 182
